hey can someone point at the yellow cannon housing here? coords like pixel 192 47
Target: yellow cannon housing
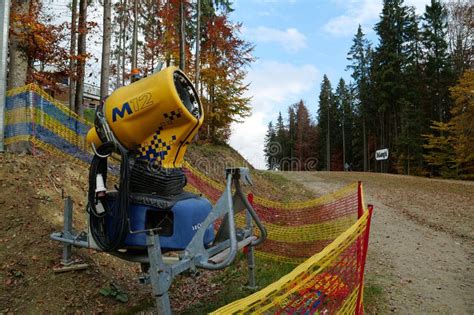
pixel 157 116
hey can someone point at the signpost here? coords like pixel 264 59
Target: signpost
pixel 381 155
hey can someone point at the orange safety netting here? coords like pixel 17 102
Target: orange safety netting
pixel 329 282
pixel 295 230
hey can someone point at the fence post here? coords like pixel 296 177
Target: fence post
pixel 362 257
pixel 32 108
pixel 250 249
pixel 360 207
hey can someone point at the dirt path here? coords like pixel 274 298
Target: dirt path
pixel 421 250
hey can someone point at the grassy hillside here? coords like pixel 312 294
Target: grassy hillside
pixel 213 159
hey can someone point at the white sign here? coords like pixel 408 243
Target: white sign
pixel 381 154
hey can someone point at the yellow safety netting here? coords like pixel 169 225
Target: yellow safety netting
pixel 328 282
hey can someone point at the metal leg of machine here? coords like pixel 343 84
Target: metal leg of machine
pixel 67 232
pixel 160 275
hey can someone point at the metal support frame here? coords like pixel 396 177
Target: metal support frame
pixel 221 254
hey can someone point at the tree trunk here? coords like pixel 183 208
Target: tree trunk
pixel 18 69
pixel 72 52
pixel 198 45
pixel 18 66
pixel 81 51
pixel 105 67
pixel 343 144
pixel 364 136
pixel 328 147
pixel 124 44
pixel 119 47
pixel 182 34
pixel 135 34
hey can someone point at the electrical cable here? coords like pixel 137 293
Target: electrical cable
pixel 109 230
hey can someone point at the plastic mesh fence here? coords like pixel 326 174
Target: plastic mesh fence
pixel 32 115
pixel 330 282
pixel 295 230
pixel 334 226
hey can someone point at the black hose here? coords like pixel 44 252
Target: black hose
pixel 109 230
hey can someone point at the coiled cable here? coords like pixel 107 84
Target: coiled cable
pixel 109 229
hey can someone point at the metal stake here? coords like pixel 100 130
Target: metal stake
pixel 67 248
pixel 250 254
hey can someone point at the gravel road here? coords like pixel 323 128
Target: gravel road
pixel 421 249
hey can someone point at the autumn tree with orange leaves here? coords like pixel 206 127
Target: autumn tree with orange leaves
pixel 35 44
pixel 40 49
pixel 224 58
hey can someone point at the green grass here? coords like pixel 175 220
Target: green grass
pixel 281 181
pixel 375 297
pixel 276 178
pixel 233 283
pixel 89 114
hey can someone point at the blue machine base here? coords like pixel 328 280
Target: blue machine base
pixel 179 221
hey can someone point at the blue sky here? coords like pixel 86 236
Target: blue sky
pixel 296 43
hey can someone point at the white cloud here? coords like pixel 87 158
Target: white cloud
pixel 418 4
pixel 273 83
pixel 273 86
pixel 290 39
pixel 364 12
pixel 247 138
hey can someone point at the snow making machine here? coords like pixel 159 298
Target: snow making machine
pixel 147 126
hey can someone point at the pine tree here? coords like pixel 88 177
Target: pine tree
pixel 290 150
pixel 413 122
pixel 303 136
pixel 438 77
pixel 343 101
pixel 387 68
pixel 325 117
pixel 270 138
pixel 360 55
pixel 359 60
pixel 281 142
pixel 293 146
